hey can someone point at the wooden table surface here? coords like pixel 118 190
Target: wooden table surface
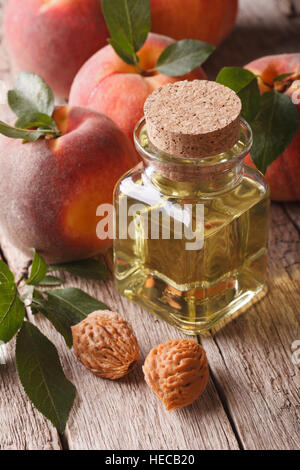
pixel 252 400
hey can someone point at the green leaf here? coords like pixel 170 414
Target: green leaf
pixel 274 128
pixel 31 94
pixel 87 268
pixel 235 78
pixel 244 83
pixel 60 319
pixel 49 281
pixel 36 302
pixel 75 301
pixel 250 98
pixel 129 22
pixel 130 59
pixel 38 270
pixel 16 133
pixel 65 308
pixel 12 311
pixel 6 276
pixel 282 77
pixel 36 120
pixel 42 376
pixel 183 56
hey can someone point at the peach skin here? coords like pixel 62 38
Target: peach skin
pixel 51 189
pixel 209 21
pixel 283 175
pixel 109 85
pixel 53 38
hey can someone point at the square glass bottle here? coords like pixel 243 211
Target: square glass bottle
pixel 191 220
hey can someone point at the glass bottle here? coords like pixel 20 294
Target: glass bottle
pixel 191 233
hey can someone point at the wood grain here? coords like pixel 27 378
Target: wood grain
pixel 262 29
pixel 126 414
pixel 293 212
pixel 251 357
pixel 21 426
pixel 289 7
pixel 252 400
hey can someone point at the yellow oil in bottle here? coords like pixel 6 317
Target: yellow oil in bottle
pixel 199 287
pixel 192 289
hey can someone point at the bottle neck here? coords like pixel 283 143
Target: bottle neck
pixel 193 177
pixel 195 181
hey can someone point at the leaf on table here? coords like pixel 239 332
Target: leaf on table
pixel 61 319
pixel 12 311
pixel 129 22
pixel 42 376
pixel 75 301
pixel 5 273
pixel 65 308
pixel 31 94
pixel 244 83
pixel 49 281
pixel 87 268
pixel 38 270
pixel 273 129
pixel 37 299
pixel 183 56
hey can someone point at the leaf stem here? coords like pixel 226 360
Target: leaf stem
pixel 137 65
pixel 265 83
pixel 50 131
pixel 22 278
pixel 24 273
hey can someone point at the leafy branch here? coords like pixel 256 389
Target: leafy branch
pixel 37 359
pixel 129 23
pixel 273 116
pixel 33 102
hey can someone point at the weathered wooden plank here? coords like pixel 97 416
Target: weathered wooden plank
pixel 98 420
pixel 126 414
pixel 251 358
pixel 22 427
pixel 289 7
pixel 293 211
pixel 262 29
pixel 253 354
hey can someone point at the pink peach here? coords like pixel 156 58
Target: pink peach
pixel 51 189
pixel 283 175
pixel 209 21
pixel 109 85
pixel 53 38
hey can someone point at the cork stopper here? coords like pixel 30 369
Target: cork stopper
pixel 193 119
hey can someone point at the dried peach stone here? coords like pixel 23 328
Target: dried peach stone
pixel 177 372
pixel 106 344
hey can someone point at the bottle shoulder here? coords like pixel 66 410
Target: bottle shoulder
pixel 136 184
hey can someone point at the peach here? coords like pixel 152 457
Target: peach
pixel 53 38
pixel 109 85
pixel 283 175
pixel 51 189
pixel 209 21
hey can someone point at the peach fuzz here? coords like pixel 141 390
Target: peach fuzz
pixel 53 38
pixel 283 175
pixel 51 189
pixel 109 85
pixel 209 21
